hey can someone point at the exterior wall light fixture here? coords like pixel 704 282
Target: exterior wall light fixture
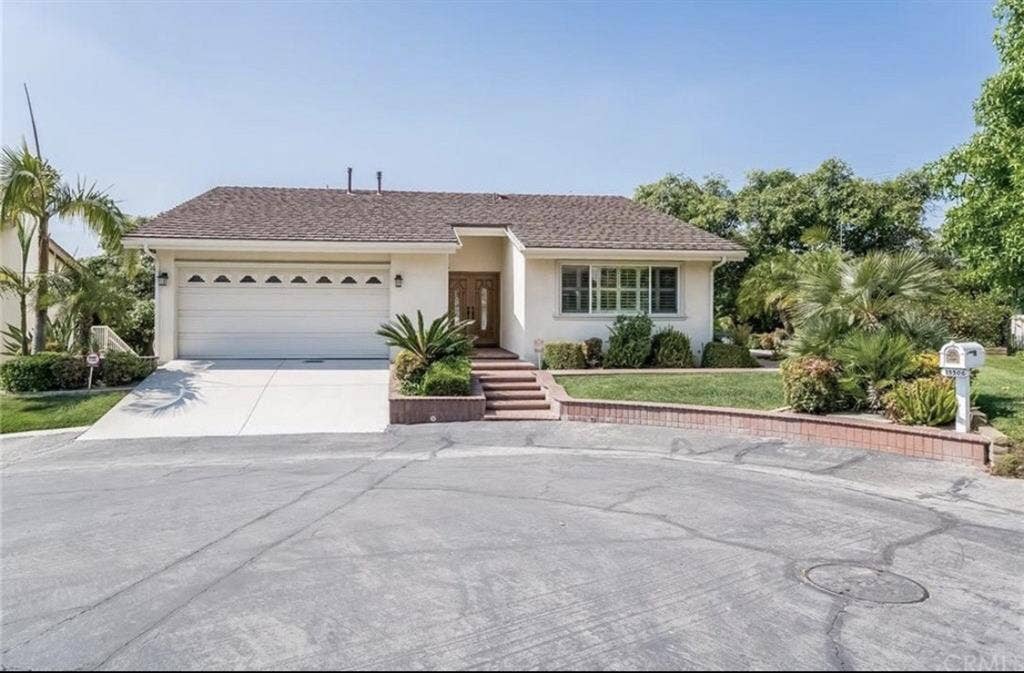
pixel 161 278
pixel 398 280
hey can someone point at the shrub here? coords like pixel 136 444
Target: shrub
pixel 447 378
pixel 119 369
pixel 983 317
pixel 811 384
pixel 733 332
pixel 593 352
pixel 43 371
pixel 564 355
pixel 873 362
pixel 925 365
pixel 772 341
pixel 629 344
pixel 718 355
pixel 71 372
pixel 408 367
pixel 930 401
pixel 671 348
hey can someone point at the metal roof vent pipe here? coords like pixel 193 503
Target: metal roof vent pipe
pixel 380 176
pixel 349 179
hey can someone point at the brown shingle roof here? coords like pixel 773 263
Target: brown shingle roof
pixel 538 221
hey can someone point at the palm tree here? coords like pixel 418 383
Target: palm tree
pixel 444 337
pixel 86 297
pixel 34 189
pixel 866 292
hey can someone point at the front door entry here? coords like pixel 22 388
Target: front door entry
pixel 474 296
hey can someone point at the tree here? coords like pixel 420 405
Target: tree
pixel 985 176
pixel 778 209
pixel 710 206
pixel 34 189
pixel 86 297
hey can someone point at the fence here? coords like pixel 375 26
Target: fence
pixel 1016 341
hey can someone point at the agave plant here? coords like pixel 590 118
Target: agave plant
pixel 445 337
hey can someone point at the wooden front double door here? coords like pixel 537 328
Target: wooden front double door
pixel 474 296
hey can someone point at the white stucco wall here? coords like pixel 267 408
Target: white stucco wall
pixel 543 320
pixel 10 256
pixel 479 254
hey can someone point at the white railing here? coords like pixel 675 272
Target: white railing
pixel 105 340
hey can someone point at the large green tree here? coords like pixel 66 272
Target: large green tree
pixel 33 190
pixel 985 176
pixel 781 211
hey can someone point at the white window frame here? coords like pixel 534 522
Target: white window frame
pixel 594 301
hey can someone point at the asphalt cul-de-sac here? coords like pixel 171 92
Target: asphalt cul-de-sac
pixel 502 545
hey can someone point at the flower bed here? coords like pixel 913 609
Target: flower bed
pixel 409 409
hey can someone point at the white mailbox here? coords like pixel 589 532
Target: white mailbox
pixel 962 355
pixel 957 360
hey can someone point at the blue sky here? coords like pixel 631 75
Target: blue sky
pixel 160 101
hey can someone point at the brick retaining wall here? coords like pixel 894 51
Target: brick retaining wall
pixel 915 441
pixel 405 410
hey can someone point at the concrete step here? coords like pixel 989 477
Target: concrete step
pixel 537 394
pixel 502 365
pixel 520 415
pixel 518 404
pixel 518 384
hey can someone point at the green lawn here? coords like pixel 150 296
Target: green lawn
pixel 745 390
pixel 59 411
pixel 999 391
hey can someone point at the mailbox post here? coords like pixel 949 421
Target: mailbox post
pixel 957 359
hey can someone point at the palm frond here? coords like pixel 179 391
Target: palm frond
pixel 98 210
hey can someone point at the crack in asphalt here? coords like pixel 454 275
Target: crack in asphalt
pixel 245 563
pixel 836 652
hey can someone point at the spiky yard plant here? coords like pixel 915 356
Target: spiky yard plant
pixel 445 337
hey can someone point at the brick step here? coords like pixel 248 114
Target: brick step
pixel 502 365
pixel 520 415
pixel 492 354
pixel 518 404
pixel 517 384
pixel 537 394
pixel 506 376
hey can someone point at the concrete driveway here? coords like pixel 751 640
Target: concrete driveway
pixel 503 545
pixel 207 398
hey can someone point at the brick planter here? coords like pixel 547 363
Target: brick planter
pixel 406 410
pixel 914 441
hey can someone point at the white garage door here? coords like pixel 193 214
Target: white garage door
pixel 281 311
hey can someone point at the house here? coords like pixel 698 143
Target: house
pixel 10 258
pixel 247 272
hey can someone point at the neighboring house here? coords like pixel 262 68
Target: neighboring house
pixel 10 256
pixel 311 273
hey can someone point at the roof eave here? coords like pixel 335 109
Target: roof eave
pixel 634 253
pixel 243 245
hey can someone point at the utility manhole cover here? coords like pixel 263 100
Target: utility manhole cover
pixel 865 584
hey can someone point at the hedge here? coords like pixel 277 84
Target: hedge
pixel 44 371
pixel 727 356
pixel 447 378
pixel 564 355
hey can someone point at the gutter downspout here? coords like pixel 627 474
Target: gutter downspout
pixel 156 298
pixel 711 292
